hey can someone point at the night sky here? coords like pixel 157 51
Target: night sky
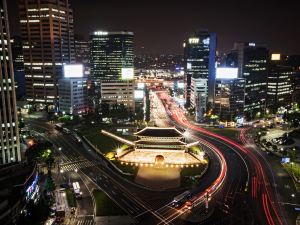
pixel 161 26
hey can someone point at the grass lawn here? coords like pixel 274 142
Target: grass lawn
pixel 295 170
pixel 104 143
pixel 195 149
pixel 227 132
pixel 187 173
pixel 105 206
pixel 71 198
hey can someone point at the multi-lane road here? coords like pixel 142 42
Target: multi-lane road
pixel 245 193
pixel 145 206
pixel 254 193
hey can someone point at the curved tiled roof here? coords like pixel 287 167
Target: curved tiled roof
pixel 159 132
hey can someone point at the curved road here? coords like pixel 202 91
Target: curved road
pixel 252 196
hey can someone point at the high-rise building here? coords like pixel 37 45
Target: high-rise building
pixel 9 131
pixel 199 63
pixel 252 61
pixel 111 54
pixel 279 85
pixel 18 62
pixel 229 94
pixel 72 90
pixel 199 90
pixel 48 43
pixel 82 54
pixel 112 67
pixel 294 61
pixel 118 92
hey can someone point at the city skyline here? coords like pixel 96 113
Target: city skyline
pixel 94 132
pixel 154 29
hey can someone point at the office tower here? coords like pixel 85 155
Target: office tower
pixel 73 93
pixel 118 92
pixel 294 61
pixel 48 39
pixel 112 67
pixel 279 85
pixel 18 62
pixel 9 132
pixel 111 53
pixel 252 61
pixel 229 94
pixel 198 94
pixel 82 54
pixel 199 62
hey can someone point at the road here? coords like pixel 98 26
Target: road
pixel 260 196
pixel 146 206
pixel 283 184
pixel 247 196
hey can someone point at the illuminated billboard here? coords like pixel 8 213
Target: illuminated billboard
pixel 275 57
pixel 193 40
pixel 73 70
pixel 226 73
pixel 127 73
pixel 141 85
pixel 180 85
pixel 138 94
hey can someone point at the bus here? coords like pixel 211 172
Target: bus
pixel 179 200
pixel 76 189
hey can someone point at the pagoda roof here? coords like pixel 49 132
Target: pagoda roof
pixel 160 143
pixel 159 132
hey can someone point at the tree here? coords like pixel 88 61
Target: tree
pixel 49 158
pixel 49 184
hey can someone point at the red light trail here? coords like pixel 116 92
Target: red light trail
pixel 260 176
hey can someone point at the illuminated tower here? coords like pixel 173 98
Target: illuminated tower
pixel 252 61
pixel 9 132
pixel 48 43
pixel 279 85
pixel 112 67
pixel 199 64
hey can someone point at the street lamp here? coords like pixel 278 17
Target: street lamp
pixel 293 195
pixel 119 151
pixel 76 170
pixel 61 171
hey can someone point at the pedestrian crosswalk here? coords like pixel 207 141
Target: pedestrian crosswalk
pixel 68 167
pixel 85 221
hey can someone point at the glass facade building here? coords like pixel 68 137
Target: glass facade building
pixel 199 62
pixel 279 85
pixel 252 61
pixel 48 43
pixel 110 53
pixel 9 131
pixel 112 68
pixel 229 98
